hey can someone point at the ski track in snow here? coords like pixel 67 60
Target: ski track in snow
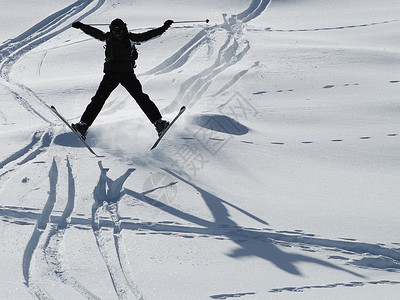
pixel 54 258
pixel 35 244
pixel 267 243
pixel 230 52
pixel 35 139
pixel 331 28
pixel 12 50
pixel 106 194
pixel 42 253
pixel 26 154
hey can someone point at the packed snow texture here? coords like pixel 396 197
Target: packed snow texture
pixel 280 181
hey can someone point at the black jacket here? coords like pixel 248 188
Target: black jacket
pixel 118 51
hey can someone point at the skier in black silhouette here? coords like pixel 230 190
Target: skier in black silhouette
pixel 119 66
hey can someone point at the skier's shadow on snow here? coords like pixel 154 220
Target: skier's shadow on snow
pixel 254 244
pixel 108 190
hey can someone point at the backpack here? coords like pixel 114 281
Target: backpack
pixel 131 56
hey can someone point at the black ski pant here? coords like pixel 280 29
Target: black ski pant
pixel 132 85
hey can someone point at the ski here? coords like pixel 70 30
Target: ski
pixel 76 133
pixel 183 108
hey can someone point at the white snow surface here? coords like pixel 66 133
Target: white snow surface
pixel 280 181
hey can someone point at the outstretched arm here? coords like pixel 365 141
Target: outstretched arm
pixel 144 36
pixel 94 32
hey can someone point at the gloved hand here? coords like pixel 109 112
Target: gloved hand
pixel 77 25
pixel 167 24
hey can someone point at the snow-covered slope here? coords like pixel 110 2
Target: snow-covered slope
pixel 281 180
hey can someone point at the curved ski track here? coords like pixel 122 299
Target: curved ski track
pixel 106 194
pixel 43 257
pixel 42 253
pixel 12 50
pixel 230 53
pixel 25 155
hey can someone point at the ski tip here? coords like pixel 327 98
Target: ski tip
pixel 52 107
pixel 183 108
pixel 155 145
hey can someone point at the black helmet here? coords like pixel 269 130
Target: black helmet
pixel 117 25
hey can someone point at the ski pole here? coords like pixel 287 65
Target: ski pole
pixel 196 21
pixel 93 24
pixel 193 21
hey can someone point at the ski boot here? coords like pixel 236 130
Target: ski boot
pixel 82 128
pixel 161 125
